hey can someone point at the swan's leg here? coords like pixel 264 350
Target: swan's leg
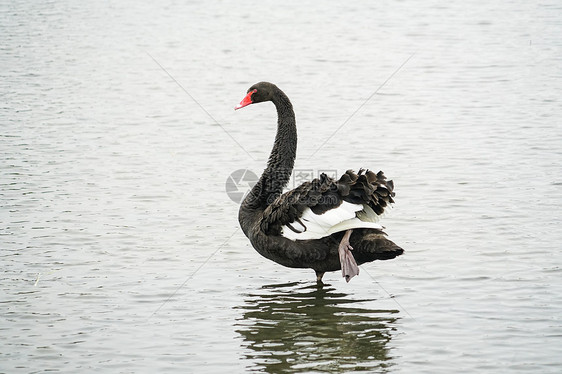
pixel 319 275
pixel 349 267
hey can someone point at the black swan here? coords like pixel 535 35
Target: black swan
pixel 324 224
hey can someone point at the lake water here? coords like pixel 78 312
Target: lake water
pixel 120 248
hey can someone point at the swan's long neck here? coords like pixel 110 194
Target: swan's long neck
pixel 282 158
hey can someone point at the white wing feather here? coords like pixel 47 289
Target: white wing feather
pixel 346 216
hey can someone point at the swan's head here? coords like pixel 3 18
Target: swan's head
pixel 258 93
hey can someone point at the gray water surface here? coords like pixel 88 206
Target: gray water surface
pixel 120 248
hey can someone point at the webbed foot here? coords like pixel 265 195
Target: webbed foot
pixel 349 267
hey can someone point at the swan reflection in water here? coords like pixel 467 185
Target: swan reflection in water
pixel 291 327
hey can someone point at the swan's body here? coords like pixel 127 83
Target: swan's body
pixel 324 224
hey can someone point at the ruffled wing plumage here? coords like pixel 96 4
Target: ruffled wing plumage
pixel 316 208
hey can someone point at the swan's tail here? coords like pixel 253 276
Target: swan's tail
pixel 372 244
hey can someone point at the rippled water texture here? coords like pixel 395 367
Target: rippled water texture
pixel 119 245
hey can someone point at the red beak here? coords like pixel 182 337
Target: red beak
pixel 246 101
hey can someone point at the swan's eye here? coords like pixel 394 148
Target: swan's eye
pixel 251 94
